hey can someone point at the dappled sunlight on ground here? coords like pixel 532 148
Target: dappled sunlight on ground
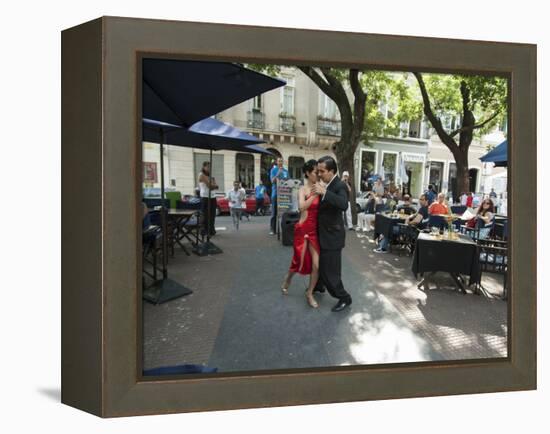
pixel 237 319
pixel 385 341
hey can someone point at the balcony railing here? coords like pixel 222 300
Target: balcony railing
pixel 287 124
pixel 255 119
pixel 329 127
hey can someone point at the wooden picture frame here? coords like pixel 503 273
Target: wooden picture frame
pixel 101 217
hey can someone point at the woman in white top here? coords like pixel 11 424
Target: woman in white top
pixel 236 198
pixel 208 207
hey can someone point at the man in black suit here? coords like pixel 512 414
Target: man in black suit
pixel 332 235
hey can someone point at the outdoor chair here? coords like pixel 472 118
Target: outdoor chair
pixel 407 237
pixel 379 208
pixel 156 219
pixel 407 210
pixel 437 221
pixel 191 203
pixel 151 251
pixel 458 209
pixel 500 230
pixel 480 232
pixel 154 202
pixel 493 257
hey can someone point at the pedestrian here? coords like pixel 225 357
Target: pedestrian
pixel 347 218
pixel 431 194
pixel 236 199
pixel 207 183
pixel 277 174
pixel 244 212
pixel 332 235
pixel 259 193
pixel 493 194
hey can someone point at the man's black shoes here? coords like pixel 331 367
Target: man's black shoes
pixel 341 305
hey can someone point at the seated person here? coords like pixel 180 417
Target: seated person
pixel 485 213
pixel 406 207
pixel 419 220
pixel 439 207
pixel 365 220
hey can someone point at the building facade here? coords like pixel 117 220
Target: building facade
pixel 299 122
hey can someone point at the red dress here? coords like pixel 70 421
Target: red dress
pixel 304 233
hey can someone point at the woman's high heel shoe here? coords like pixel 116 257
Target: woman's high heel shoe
pixel 311 301
pixel 284 286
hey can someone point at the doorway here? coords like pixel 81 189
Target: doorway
pixel 266 163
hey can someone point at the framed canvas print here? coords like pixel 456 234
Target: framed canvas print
pixel 258 216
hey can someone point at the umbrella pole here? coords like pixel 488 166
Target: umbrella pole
pixel 208 208
pixel 165 289
pixel 162 209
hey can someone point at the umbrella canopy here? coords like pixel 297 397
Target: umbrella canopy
pixel 206 134
pixel 498 155
pixel 183 92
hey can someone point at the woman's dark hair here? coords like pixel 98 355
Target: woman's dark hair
pixel 204 165
pixel 309 166
pixel 329 162
pixel 491 209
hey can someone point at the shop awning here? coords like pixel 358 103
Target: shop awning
pixel 498 155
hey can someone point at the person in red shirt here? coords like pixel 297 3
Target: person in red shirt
pixel 439 207
pixel 470 200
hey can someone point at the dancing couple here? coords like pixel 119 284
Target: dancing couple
pixel 319 235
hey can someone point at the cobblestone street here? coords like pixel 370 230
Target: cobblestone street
pixel 238 320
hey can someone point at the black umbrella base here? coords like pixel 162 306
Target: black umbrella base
pixel 165 290
pixel 207 248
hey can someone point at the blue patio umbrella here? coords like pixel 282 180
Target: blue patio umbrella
pixel 209 133
pixel 498 155
pixel 183 92
pixel 176 94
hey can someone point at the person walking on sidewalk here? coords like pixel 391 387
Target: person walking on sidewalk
pixel 260 193
pixel 236 199
pixel 347 214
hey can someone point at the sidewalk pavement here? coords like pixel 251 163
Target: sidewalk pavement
pixel 238 320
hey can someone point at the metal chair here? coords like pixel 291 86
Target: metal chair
pixel 458 209
pixel 481 231
pixel 437 221
pixel 493 257
pixel 407 236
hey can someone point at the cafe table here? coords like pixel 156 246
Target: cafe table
pixel 437 253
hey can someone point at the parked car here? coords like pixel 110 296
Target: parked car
pixel 223 204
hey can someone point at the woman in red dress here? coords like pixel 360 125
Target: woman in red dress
pixel 306 244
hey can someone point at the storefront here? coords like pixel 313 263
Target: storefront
pixel 414 168
pixel 392 159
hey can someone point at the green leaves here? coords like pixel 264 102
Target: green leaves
pixel 487 97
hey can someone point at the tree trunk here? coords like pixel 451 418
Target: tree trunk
pixel 462 173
